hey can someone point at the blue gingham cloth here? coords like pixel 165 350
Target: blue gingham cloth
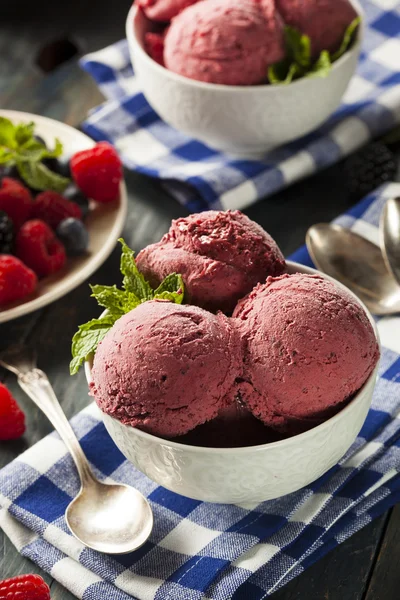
pixel 202 178
pixel 201 550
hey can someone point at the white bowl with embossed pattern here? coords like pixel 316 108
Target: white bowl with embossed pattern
pixel 244 120
pixel 248 474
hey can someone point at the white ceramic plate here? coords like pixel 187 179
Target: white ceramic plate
pixel 104 223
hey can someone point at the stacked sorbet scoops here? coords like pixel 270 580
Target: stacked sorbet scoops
pixel 237 42
pixel 254 355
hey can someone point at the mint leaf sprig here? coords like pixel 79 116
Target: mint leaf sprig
pixel 19 147
pixel 118 302
pixel 298 62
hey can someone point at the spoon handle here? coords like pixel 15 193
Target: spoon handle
pixel 36 384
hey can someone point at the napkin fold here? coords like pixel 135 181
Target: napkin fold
pixel 202 550
pixel 202 178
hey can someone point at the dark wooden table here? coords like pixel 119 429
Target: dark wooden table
pixel 366 566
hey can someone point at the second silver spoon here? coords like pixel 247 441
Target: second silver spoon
pixel 355 262
pixel 389 230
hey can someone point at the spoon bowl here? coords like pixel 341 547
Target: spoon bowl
pixel 104 517
pixel 390 236
pixel 355 262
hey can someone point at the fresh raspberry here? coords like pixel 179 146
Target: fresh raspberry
pixel 15 200
pixel 98 172
pixel 24 587
pixel 154 44
pixel 12 423
pixel 16 280
pixel 38 247
pixel 52 208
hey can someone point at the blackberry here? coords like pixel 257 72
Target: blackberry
pixel 58 165
pixel 369 168
pixel 6 234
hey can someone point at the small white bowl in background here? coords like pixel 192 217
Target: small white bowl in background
pixel 246 120
pixel 248 474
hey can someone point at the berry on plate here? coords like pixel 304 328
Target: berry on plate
pixel 15 200
pixel 368 168
pixel 24 587
pixel 10 171
pixel 12 423
pixel 16 279
pixel 74 194
pixel 38 247
pixel 73 235
pixel 58 165
pixel 52 208
pixel 6 233
pixel 98 172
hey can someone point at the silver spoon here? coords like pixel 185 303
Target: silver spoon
pixel 355 262
pixel 114 519
pixel 389 233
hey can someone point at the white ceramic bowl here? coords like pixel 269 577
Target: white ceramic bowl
pixel 244 120
pixel 249 474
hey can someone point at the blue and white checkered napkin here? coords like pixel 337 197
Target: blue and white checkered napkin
pixel 202 178
pixel 199 550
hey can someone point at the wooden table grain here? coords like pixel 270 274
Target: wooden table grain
pixel 364 567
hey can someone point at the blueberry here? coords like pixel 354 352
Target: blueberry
pixel 74 235
pixel 74 194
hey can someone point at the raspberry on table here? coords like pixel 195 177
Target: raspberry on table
pixel 98 172
pixel 16 280
pixel 16 201
pixel 12 420
pixel 52 208
pixel 6 233
pixel 38 247
pixel 24 587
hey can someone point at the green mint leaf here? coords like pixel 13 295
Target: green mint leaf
pixel 7 133
pixel 133 280
pixel 58 149
pixel 172 283
pixel 118 302
pixel 298 46
pixel 347 39
pixel 39 177
pixel 172 289
pixel 175 297
pixel 87 338
pixel 35 151
pixel 24 133
pixel 322 66
pixel 6 156
pixel 282 73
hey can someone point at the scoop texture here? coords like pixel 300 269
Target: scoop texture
pixel 221 256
